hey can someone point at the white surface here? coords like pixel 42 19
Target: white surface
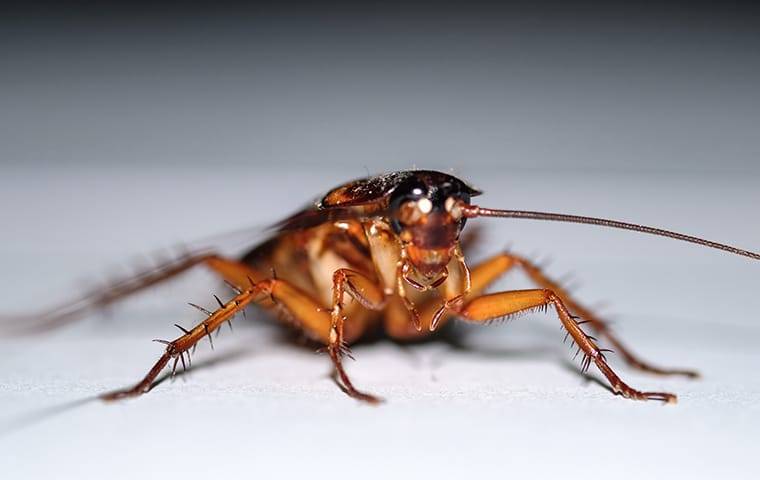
pixel 509 406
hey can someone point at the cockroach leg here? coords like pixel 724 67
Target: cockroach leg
pixel 231 270
pixel 487 307
pixel 344 383
pixel 314 320
pixel 491 269
pixel 362 289
pixel 99 299
pixel 177 348
pixel 369 295
pixel 537 275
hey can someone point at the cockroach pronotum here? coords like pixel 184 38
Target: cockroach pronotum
pixel 392 244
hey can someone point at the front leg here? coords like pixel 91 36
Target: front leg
pixel 488 307
pixel 304 311
pixel 368 294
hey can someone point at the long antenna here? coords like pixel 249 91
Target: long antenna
pixel 471 211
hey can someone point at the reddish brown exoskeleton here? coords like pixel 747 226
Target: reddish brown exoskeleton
pixel 392 244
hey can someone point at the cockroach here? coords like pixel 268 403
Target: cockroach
pixel 392 244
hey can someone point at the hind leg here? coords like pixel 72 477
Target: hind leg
pixel 490 270
pixel 179 347
pixel 597 324
pixel 231 270
pixel 487 307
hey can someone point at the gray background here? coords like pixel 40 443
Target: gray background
pixel 124 130
pixel 534 85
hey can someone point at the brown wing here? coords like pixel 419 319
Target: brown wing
pixel 364 190
pixel 314 216
pixel 360 198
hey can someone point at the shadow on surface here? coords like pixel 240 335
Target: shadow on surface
pixel 586 377
pixel 458 342
pixel 36 416
pixel 219 359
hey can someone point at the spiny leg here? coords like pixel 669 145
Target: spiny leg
pixel 102 298
pixel 491 269
pixel 308 315
pixel 537 275
pixel 368 294
pixel 180 346
pixel 488 307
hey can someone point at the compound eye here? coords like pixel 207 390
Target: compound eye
pixel 411 212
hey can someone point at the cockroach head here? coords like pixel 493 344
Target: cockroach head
pixel 425 211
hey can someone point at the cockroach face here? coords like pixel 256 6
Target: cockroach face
pixel 426 214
